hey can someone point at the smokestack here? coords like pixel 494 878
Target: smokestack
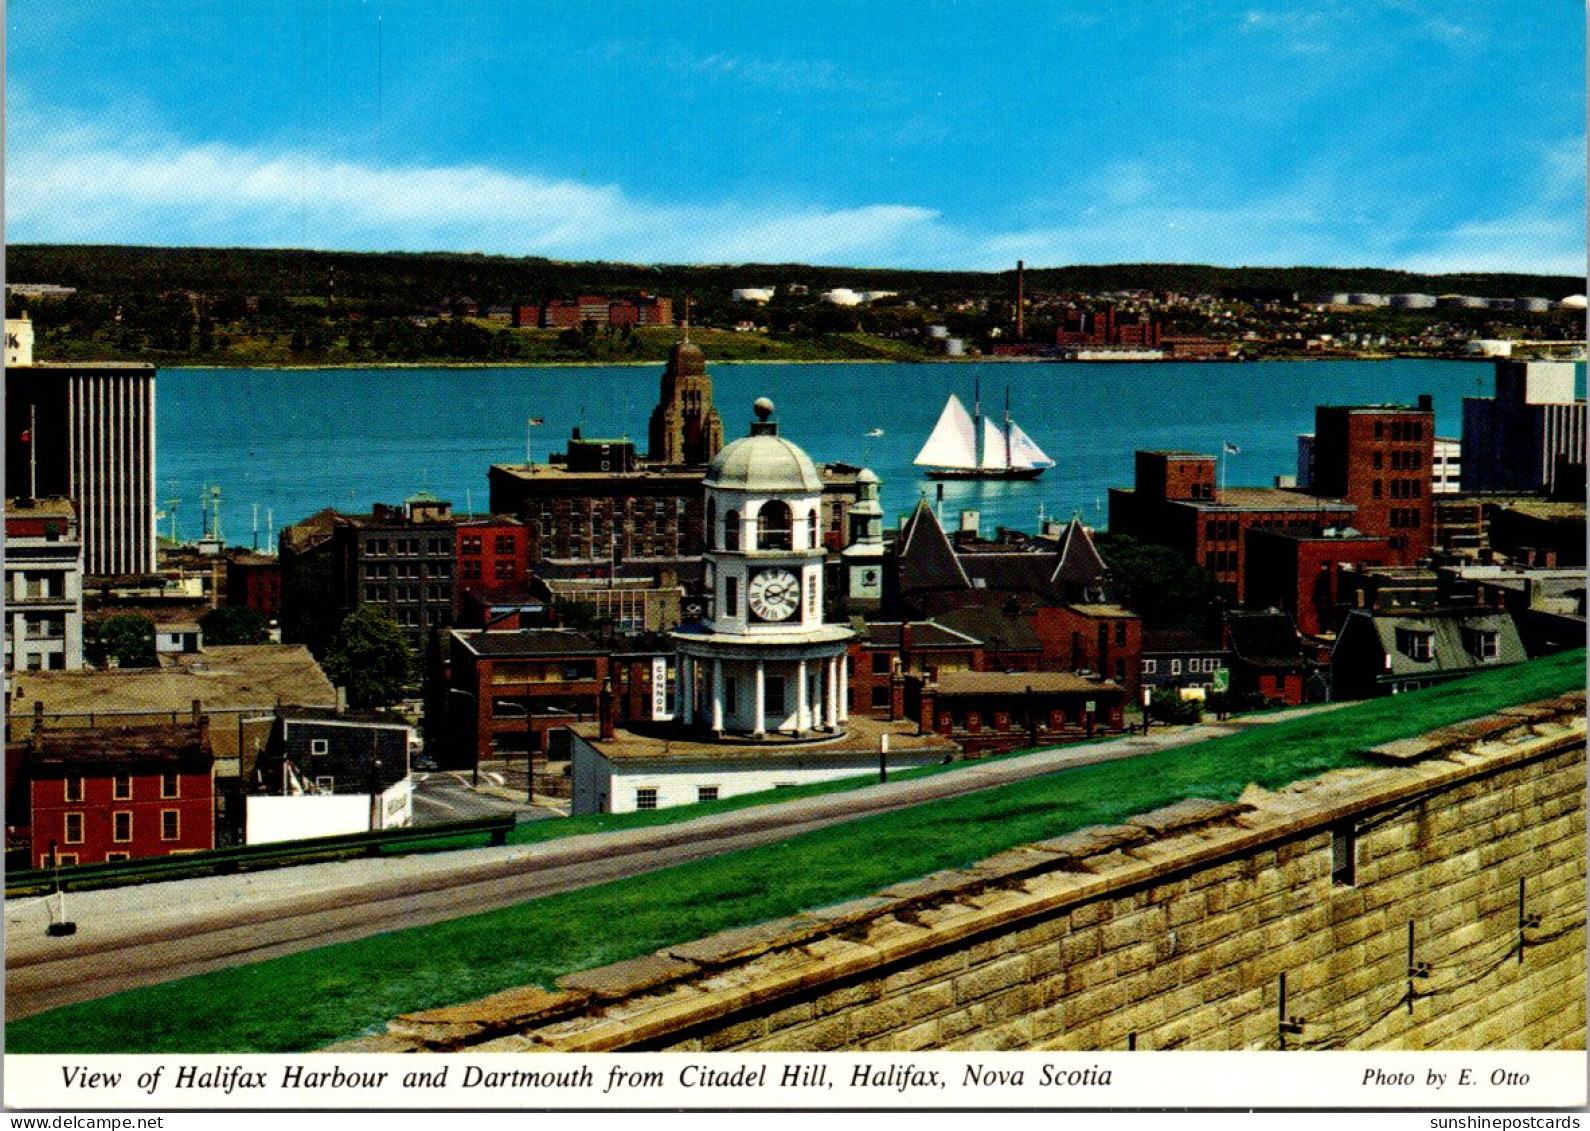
pixel 1426 402
pixel 1021 291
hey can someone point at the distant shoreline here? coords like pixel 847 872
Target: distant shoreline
pixel 399 366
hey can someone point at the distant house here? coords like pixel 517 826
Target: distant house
pixel 1174 660
pixel 996 712
pixel 1266 656
pixel 323 773
pixel 117 793
pixel 1387 653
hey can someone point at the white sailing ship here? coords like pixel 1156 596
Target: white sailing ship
pixel 953 450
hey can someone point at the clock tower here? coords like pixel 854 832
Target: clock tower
pixel 762 662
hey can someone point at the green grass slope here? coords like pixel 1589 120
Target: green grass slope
pixel 308 1000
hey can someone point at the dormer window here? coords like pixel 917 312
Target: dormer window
pixel 1416 643
pixel 1482 643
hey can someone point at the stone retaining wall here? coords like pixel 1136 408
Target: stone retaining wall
pixel 1173 930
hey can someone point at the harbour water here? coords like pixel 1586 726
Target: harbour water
pixel 282 444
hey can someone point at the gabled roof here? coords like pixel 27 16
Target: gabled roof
pixel 181 744
pixel 1078 561
pixel 529 642
pixel 1265 639
pixel 927 560
pixel 997 630
pixel 1449 647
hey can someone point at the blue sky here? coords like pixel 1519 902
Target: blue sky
pixel 1429 136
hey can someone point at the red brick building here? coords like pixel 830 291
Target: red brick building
pixel 506 690
pixel 995 712
pixel 1300 572
pixel 100 794
pixel 254 581
pixel 1176 503
pixel 491 554
pixel 1107 328
pixel 1101 638
pixel 1379 459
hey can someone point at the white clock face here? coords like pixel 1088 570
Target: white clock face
pixel 774 594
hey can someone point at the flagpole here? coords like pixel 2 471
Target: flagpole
pixel 33 445
pixel 1223 452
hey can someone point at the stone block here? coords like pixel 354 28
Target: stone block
pixel 1187 815
pixel 981 981
pixel 632 976
pixel 746 942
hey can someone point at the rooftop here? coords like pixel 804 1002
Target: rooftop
pixel 182 743
pixel 1267 499
pixel 1018 683
pixel 223 677
pixel 862 736
pixel 528 642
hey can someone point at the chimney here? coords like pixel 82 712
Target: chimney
pixel 1426 403
pixel 38 716
pixel 605 710
pixel 198 712
pixel 1021 288
pixel 342 700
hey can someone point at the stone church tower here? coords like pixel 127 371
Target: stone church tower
pixel 685 429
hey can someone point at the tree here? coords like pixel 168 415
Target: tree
pixel 234 624
pixel 1158 584
pixel 369 657
pixel 127 640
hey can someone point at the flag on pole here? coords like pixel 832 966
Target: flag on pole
pixel 535 421
pixel 26 437
pixel 1232 449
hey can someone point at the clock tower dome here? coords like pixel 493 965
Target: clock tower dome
pixel 762 662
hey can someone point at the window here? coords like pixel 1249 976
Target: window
pixel 811 596
pixel 74 788
pixel 1416 644
pixel 114 857
pixel 645 799
pixel 325 784
pixel 121 826
pixel 121 789
pixel 882 662
pixel 773 697
pixel 774 522
pixel 1150 667
pixel 1482 643
pixel 319 745
pixel 505 544
pixel 1374 489
pixel 880 697
pixel 811 525
pixel 170 824
pixel 170 785
pixel 1344 856
pixel 1175 667
pixel 1120 632
pixel 706 793
pixel 64 860
pixel 504 569
pixel 74 828
pixel 731 596
pixel 731 530
pixel 712 521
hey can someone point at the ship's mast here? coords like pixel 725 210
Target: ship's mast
pixel 977 421
pixel 1007 427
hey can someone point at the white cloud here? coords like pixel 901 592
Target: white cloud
pixel 80 185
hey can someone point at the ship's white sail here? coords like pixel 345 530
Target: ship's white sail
pixel 994 452
pixel 954 439
pixel 1025 453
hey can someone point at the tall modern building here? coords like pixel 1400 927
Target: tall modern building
pixel 1531 431
pixel 85 431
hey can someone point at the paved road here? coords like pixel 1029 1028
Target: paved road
pixel 447 795
pixel 155 933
